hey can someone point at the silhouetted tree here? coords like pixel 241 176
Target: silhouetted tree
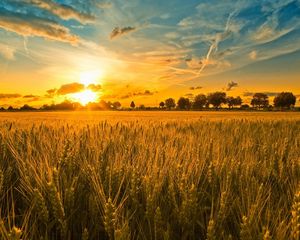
pixel 132 104
pixel 170 103
pixel 285 100
pixel 217 99
pixel 245 106
pixel 26 107
pixel 260 100
pixel 117 105
pixel 184 103
pixel 232 101
pixel 104 105
pixel 2 109
pixel 161 104
pixel 10 108
pixel 142 107
pixel 200 101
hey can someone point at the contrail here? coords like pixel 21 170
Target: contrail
pixel 219 37
pixel 25 45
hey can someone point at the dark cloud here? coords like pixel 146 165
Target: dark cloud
pixel 231 85
pixel 94 87
pixel 63 11
pixel 196 88
pixel 70 88
pixel 51 93
pixel 189 95
pixel 9 95
pixel 138 94
pixel 270 94
pixel 29 25
pixel 117 32
pixel 30 96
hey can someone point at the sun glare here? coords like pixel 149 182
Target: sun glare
pixel 91 77
pixel 85 97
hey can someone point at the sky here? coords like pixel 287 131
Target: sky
pixel 146 50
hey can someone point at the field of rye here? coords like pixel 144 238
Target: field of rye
pixel 163 178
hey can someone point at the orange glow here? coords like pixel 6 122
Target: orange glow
pixel 85 97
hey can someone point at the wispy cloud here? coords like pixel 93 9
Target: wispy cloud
pixel 138 94
pixel 253 55
pixel 117 31
pixel 63 11
pixel 25 25
pixel 104 5
pixel 196 88
pixel 270 94
pixel 7 52
pixel 9 95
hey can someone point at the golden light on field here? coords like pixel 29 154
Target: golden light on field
pixel 91 77
pixel 85 97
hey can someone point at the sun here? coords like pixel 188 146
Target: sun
pixel 85 97
pixel 91 77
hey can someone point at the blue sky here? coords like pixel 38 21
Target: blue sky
pixel 148 50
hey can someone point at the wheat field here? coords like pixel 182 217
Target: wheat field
pixel 120 175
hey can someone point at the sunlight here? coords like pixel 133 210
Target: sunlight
pixel 91 77
pixel 85 97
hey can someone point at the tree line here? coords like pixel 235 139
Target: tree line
pixel 216 100
pixel 284 100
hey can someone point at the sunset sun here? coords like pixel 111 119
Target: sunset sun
pixel 85 97
pixel 91 77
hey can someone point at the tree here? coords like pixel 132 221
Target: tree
pixel 232 101
pixel 117 105
pixel 132 104
pixel 285 100
pixel 170 103
pixel 260 100
pixel 245 107
pixel 26 107
pixel 161 105
pixel 184 103
pixel 217 99
pixel 200 101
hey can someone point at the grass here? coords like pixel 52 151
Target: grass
pixel 149 177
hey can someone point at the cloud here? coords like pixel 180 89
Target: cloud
pixel 189 95
pixel 138 94
pixel 196 88
pixel 216 41
pixel 117 32
pixel 25 25
pixel 7 51
pixel 30 96
pixel 231 85
pixel 270 94
pixel 104 5
pixel 70 88
pixel 9 95
pixel 63 11
pixel 51 93
pixel 253 55
pixel 94 87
